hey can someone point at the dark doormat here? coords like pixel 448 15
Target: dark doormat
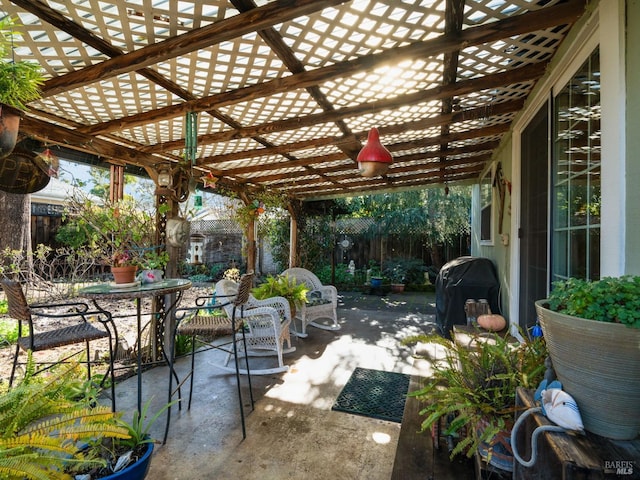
pixel 374 393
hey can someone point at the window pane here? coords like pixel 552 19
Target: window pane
pixel 576 175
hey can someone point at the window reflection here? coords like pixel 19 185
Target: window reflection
pixel 576 175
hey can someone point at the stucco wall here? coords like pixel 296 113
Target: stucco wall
pixel 498 252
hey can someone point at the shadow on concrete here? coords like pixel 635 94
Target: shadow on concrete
pixel 292 432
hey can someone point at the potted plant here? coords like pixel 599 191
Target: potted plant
pixel 282 286
pixel 396 274
pixel 119 234
pixel 374 275
pixel 153 263
pixel 471 392
pixel 592 329
pixel 50 427
pixel 19 84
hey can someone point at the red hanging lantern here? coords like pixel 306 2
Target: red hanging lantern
pixel 374 159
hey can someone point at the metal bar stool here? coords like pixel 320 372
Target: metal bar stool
pixel 197 321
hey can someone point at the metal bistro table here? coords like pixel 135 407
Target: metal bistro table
pixel 166 288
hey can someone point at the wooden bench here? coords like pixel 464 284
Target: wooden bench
pixel 415 456
pixel 568 456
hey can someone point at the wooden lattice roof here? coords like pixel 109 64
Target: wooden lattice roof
pixel 286 91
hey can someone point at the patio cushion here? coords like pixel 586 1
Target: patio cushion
pixel 315 298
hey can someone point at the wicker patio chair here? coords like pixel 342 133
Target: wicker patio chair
pixel 36 336
pixel 322 302
pixel 266 323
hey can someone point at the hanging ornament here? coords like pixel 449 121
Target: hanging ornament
pixel 52 162
pixel 374 159
pixel 209 180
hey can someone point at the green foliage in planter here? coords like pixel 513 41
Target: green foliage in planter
pixel 20 81
pixel 470 385
pixel 610 299
pixel 43 422
pixel 117 233
pixel 282 286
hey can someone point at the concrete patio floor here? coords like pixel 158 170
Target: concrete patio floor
pixel 292 432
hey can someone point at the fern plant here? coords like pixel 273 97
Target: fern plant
pixel 474 386
pixel 43 424
pixel 282 286
pixel 20 81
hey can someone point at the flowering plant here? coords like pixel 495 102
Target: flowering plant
pixel 247 213
pixel 123 258
pixel 118 233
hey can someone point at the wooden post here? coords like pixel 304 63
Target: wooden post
pixel 251 237
pixel 116 185
pixel 294 209
pixel 251 245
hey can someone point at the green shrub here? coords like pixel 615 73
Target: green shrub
pixel 473 385
pixel 610 299
pixel 8 330
pixel 342 275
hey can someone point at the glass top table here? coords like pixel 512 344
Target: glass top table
pixel 137 291
pixel 115 292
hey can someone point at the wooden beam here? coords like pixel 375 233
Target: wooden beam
pixel 531 21
pixel 466 115
pixel 86 143
pixel 527 73
pixel 223 30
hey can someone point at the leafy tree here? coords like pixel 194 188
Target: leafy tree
pixel 441 216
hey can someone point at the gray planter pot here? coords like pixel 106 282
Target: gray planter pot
pixel 598 364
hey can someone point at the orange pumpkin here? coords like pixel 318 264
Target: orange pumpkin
pixel 492 322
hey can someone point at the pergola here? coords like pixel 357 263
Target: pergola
pixel 280 95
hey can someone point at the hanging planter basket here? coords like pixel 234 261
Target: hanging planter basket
pixel 23 172
pixel 9 125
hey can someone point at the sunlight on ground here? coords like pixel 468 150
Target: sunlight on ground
pixel 381 438
pixel 303 383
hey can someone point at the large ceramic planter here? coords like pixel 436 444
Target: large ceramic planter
pixel 598 364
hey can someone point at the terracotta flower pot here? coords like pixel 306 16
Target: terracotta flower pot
pixel 126 274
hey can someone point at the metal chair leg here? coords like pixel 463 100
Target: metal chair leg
pixel 235 358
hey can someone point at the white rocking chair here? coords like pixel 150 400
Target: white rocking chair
pixel 322 302
pixel 267 327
